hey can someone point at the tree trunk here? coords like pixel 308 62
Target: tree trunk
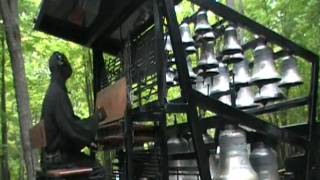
pixel 17 62
pixel 88 83
pixel 4 126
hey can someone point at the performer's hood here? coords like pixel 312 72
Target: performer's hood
pixel 59 66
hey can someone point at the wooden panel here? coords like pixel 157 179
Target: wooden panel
pixel 114 101
pixel 38 136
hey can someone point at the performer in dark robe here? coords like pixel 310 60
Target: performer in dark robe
pixel 67 134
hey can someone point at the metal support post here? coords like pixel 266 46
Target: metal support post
pixel 162 66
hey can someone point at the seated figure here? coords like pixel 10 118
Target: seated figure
pixel 67 134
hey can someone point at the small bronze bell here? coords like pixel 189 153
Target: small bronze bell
pixel 234 163
pixel 233 58
pixel 186 36
pixel 170 77
pixel 207 58
pixel 190 49
pixel 202 24
pixel 231 43
pixel 178 145
pixel 245 98
pixel 220 83
pixel 269 92
pixel 264 71
pixel 264 162
pixel 289 73
pixel 168 45
pixel 241 73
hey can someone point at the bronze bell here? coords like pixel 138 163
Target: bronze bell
pixel 241 73
pixel 207 58
pixel 264 162
pixel 234 163
pixel 168 45
pixel 186 35
pixel 269 92
pixel 226 99
pixel 170 74
pixel 264 71
pixel 220 83
pixel 233 58
pixel 202 24
pixel 231 43
pixel 245 98
pixel 178 145
pixel 289 73
pixel 192 75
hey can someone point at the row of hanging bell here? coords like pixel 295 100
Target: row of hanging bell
pixel 234 163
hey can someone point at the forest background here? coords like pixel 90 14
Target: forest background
pixel 298 20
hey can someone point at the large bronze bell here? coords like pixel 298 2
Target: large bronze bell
pixel 289 73
pixel 264 162
pixel 264 71
pixel 269 92
pixel 178 145
pixel 207 58
pixel 186 36
pixel 233 58
pixel 168 45
pixel 241 73
pixel 231 43
pixel 202 24
pixel 245 98
pixel 234 163
pixel 221 82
